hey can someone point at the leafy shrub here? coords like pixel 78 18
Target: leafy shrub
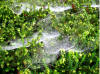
pixel 13 26
pixel 81 26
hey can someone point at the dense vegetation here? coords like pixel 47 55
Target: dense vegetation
pixel 80 23
pixel 12 25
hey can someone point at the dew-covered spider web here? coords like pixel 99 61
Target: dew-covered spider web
pixel 50 36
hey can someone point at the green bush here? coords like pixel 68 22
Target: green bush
pixel 14 26
pixel 81 26
pixel 80 23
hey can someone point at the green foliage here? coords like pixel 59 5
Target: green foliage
pixel 80 23
pixel 75 63
pixel 80 26
pixel 19 59
pixel 13 26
